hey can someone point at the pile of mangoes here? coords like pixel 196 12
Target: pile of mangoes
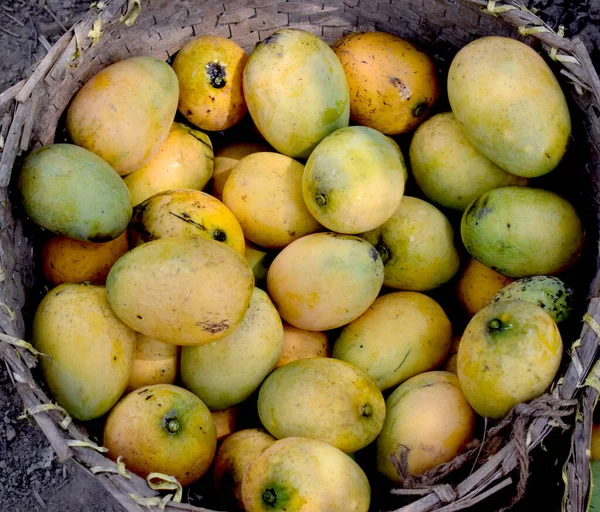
pixel 290 271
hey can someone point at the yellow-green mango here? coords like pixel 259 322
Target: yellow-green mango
pixel 125 111
pixel 322 398
pixel 416 245
pixel 449 170
pixel 90 350
pixel 73 192
pixel 521 231
pixel 224 373
pixel 401 335
pixel 510 105
pixel 324 280
pixel 298 474
pixel 296 91
pixel 183 290
pixel 353 180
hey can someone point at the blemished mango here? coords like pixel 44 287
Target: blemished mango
pixel 209 69
pixel 90 350
pixel 123 123
pixel 324 280
pixel 521 231
pixel 296 91
pixel 73 192
pixel 183 290
pixel 339 192
pixel 511 106
pixel 185 212
pixel 264 192
pixel 184 160
pixel 392 83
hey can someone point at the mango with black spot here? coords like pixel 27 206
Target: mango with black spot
pixel 298 474
pixel 521 231
pixel 209 69
pixel 184 290
pixel 124 112
pixel 296 91
pixel 185 212
pixel 73 192
pixel 354 180
pixel 90 351
pixel 184 160
pixel 162 429
pixel 322 398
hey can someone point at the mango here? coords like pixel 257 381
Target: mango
pixel 228 371
pixel 183 290
pixel 449 170
pixel 324 280
pixel 338 190
pixel 225 421
pixel 595 442
pixel 225 160
pixel 73 192
pixel 521 231
pixel 209 69
pixel 450 364
pixel 428 422
pixel 301 344
pixel 234 457
pixel 259 260
pixel 417 247
pixel 325 399
pixel 184 160
pixel 401 335
pixel 509 353
pixel 264 192
pixel 296 91
pixel 298 474
pixel 154 362
pixel 550 293
pixel 511 106
pixel 90 350
pixel 66 260
pixel 162 429
pixel 392 84
pixel 185 212
pixel 124 112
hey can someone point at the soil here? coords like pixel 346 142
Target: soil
pixel 31 479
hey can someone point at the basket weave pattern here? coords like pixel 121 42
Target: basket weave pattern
pixel 30 112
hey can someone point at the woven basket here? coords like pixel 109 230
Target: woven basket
pixel 30 113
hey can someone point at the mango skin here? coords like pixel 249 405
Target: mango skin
pixel 225 373
pixel 509 353
pixel 296 91
pixel 324 280
pixel 548 292
pixel 510 106
pixel 183 290
pixel 401 335
pixel 264 192
pixel 154 362
pixel 123 123
pixel 163 429
pixel 300 344
pixel 91 350
pixel 181 212
pixel 73 192
pixel 417 247
pixel 449 170
pixel 520 231
pixel 429 415
pixel 185 160
pixel 305 475
pixel 339 191
pixel 322 398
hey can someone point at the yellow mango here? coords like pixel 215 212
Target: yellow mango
pixel 301 344
pixel 154 362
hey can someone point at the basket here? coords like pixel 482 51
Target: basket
pixel 30 113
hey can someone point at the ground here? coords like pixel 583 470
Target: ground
pixel 30 477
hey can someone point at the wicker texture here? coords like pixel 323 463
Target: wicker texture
pixel 30 112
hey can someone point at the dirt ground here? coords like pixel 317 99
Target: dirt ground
pixel 30 477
